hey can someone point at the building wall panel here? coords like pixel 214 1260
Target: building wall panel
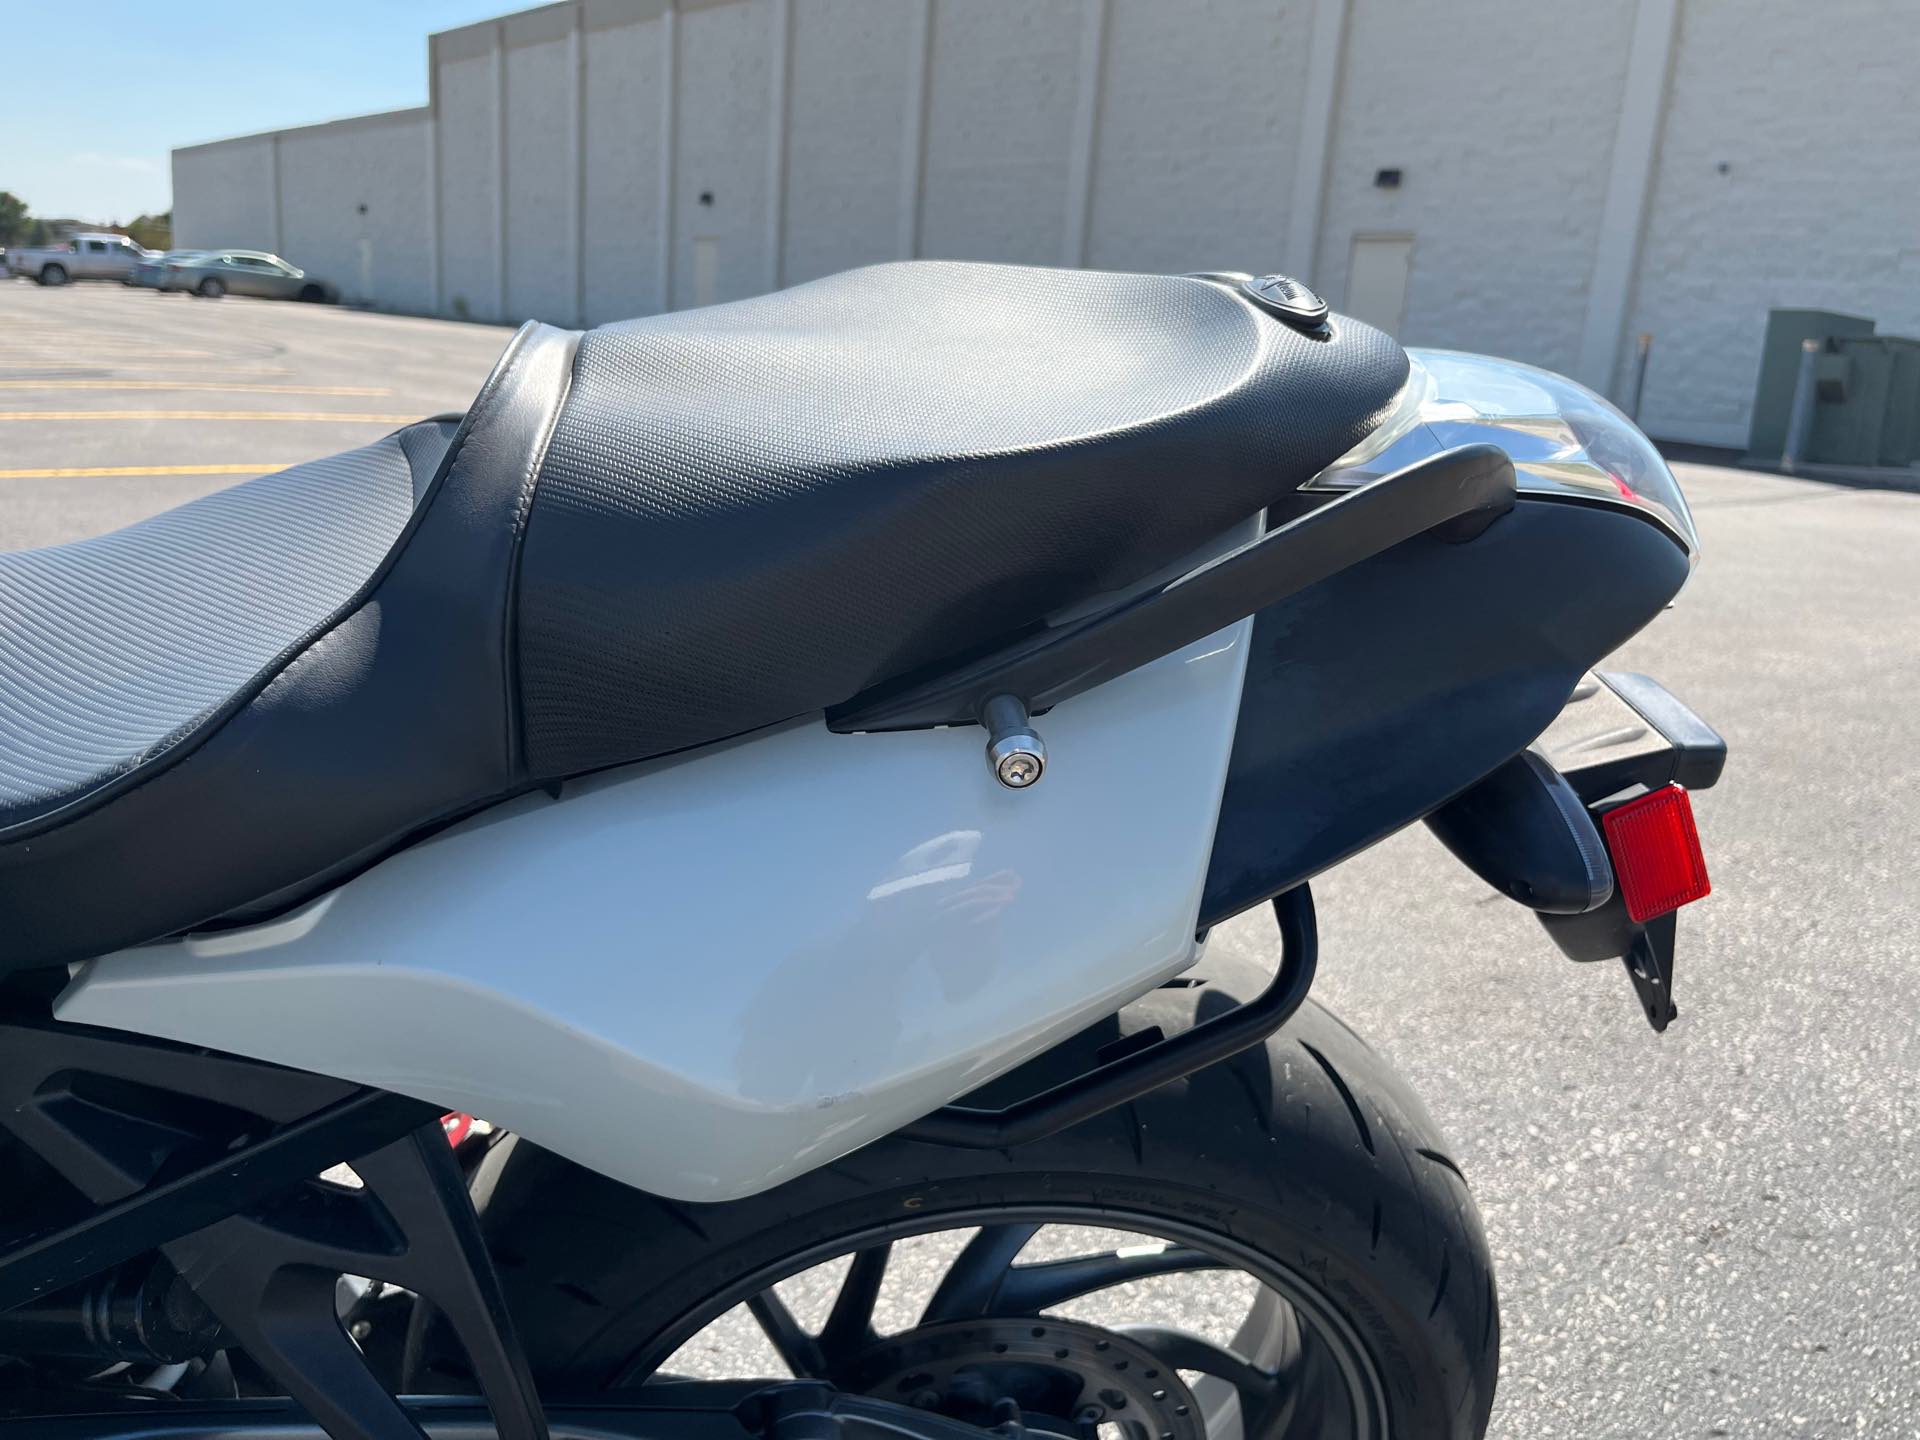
pixel 1000 109
pixel 851 118
pixel 540 189
pixel 1503 134
pixel 223 195
pixel 351 211
pixel 1199 124
pixel 1817 205
pixel 623 233
pixel 723 135
pixel 729 145
pixel 469 184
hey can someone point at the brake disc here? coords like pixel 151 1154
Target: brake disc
pixel 1057 1370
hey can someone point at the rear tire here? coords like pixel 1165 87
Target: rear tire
pixel 212 289
pixel 1308 1151
pixel 312 294
pixel 53 275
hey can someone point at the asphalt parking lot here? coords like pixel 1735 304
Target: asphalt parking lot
pixel 117 403
pixel 1711 1233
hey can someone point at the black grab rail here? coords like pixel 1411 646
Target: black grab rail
pixel 1128 1078
pixel 1454 495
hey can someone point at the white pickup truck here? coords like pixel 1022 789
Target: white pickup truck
pixel 84 257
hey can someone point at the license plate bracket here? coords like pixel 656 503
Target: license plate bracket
pixel 1620 730
pixel 1623 735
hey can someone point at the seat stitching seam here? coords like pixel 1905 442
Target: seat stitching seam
pixel 516 759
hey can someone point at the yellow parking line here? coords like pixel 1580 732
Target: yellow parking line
pixel 96 472
pixel 346 417
pixel 241 388
pixel 64 369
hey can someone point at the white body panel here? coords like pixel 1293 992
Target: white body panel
pixel 708 974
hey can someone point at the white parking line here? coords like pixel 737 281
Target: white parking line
pixel 97 472
pixel 345 417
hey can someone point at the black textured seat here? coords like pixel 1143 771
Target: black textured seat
pixel 660 534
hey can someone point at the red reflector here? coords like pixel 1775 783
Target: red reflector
pixel 1656 853
pixel 458 1125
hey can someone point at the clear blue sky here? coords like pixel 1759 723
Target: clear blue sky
pixel 93 96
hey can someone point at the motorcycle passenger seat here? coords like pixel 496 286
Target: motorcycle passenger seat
pixel 640 539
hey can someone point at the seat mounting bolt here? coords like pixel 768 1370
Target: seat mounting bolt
pixel 1015 753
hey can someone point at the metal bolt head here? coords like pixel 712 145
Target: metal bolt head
pixel 1018 759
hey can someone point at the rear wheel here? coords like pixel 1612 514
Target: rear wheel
pixel 1337 1280
pixel 212 288
pixel 53 274
pixel 312 294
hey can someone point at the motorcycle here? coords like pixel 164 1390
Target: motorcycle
pixel 778 765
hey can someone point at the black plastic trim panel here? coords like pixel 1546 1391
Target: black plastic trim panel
pixel 1385 690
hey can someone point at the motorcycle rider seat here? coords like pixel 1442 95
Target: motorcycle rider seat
pixel 643 538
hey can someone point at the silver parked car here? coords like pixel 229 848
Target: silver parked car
pixel 150 273
pixel 245 272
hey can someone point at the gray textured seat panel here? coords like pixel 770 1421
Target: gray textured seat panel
pixel 114 648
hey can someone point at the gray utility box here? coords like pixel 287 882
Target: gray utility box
pixel 1849 426
pixel 1900 440
pixel 1780 371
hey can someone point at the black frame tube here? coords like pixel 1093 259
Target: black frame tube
pixel 1128 1078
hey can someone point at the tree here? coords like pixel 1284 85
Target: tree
pixel 13 218
pixel 153 231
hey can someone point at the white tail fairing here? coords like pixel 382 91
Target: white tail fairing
pixel 705 975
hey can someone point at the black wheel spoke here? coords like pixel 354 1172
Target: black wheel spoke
pixel 970 1285
pixel 1267 1399
pixel 795 1346
pixel 849 1327
pixel 1183 1350
pixel 1029 1289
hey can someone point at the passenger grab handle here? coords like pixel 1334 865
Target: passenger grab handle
pixel 1454 495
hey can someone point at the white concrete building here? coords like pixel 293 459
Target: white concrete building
pixel 1543 179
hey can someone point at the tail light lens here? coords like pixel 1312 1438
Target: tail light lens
pixel 1564 439
pixel 1657 860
